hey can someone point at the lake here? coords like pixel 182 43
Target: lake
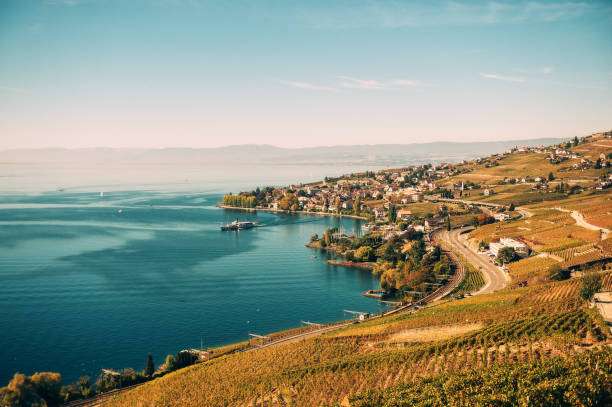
pixel 90 282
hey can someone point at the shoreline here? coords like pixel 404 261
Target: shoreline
pixel 338 215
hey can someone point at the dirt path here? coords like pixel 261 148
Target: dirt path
pixel 579 218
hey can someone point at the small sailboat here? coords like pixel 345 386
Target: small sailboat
pixel 101 194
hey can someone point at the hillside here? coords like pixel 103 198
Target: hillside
pixel 374 155
pixel 534 343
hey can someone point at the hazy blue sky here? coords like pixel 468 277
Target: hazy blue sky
pixel 163 73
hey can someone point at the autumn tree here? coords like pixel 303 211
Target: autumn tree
pixel 364 253
pixel 289 202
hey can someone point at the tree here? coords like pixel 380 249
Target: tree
pixel 357 206
pixel 551 176
pixel 506 255
pixel 181 360
pixel 418 249
pixel 558 273
pixel 328 237
pixel 289 202
pixel 575 141
pixel 150 369
pixel 591 283
pixel 568 145
pixel 40 389
pixel 511 207
pixel 598 164
pixel 364 253
pixel 448 223
pixel 392 214
pixel 445 193
pixel 314 238
pixel 484 219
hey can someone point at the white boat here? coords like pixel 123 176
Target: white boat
pixel 237 225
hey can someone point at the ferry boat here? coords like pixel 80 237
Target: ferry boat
pixel 237 225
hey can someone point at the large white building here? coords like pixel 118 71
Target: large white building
pixel 520 248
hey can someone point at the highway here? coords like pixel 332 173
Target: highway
pixel 496 279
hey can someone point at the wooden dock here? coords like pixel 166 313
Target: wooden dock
pixel 375 293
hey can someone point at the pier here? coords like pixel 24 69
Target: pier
pixel 375 293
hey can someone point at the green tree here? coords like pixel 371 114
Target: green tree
pixel 418 249
pixel 590 284
pixel 392 214
pixel 357 206
pixel 506 255
pixel 181 360
pixel 150 369
pixel 575 141
pixel 448 223
pixel 551 176
pixel 558 273
pixel 598 164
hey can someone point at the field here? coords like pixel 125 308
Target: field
pixel 421 208
pixel 530 268
pixel 472 282
pixel 558 381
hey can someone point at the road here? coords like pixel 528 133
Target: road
pixel 496 279
pixel 579 218
pixel 603 302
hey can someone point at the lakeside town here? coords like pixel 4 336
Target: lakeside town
pixel 383 196
pixel 405 208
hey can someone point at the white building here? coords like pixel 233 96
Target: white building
pixel 520 248
pixel 500 217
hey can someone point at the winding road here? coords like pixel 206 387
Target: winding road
pixel 496 279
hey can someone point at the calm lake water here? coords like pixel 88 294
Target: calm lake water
pixel 90 282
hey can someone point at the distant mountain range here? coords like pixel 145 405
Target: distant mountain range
pixel 375 155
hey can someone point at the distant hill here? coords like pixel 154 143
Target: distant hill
pixel 375 155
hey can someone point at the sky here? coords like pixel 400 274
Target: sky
pixel 189 73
